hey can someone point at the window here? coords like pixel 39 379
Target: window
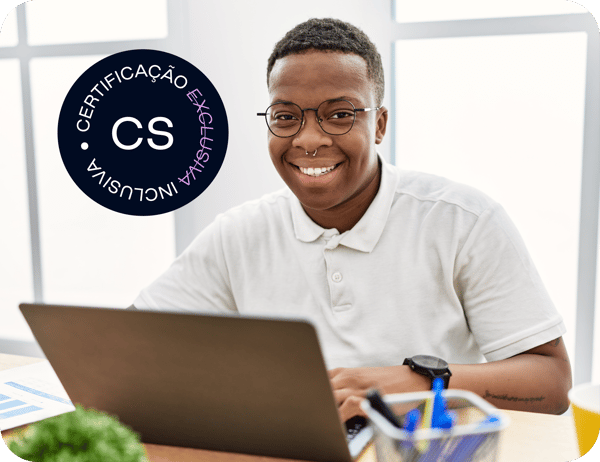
pixel 443 10
pixel 16 283
pixel 63 247
pixel 496 95
pixel 8 37
pixel 82 22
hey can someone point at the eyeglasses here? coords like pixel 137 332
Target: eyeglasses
pixel 335 117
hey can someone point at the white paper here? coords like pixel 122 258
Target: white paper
pixel 31 393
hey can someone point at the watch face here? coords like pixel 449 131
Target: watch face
pixel 430 362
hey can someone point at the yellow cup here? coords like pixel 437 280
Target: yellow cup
pixel 585 401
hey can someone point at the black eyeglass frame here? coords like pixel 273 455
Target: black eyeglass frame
pixel 364 109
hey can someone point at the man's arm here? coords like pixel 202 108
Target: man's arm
pixel 536 380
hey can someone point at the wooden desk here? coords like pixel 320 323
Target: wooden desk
pixel 529 438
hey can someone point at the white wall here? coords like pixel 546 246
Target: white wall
pixel 231 42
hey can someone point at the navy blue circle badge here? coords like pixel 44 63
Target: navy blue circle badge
pixel 143 132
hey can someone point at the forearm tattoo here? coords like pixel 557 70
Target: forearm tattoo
pixel 513 398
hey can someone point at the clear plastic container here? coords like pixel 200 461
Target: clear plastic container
pixel 473 438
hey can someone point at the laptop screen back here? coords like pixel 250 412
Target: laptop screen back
pixel 230 383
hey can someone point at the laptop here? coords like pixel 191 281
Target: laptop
pixel 253 385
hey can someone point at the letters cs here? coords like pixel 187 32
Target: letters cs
pixel 153 145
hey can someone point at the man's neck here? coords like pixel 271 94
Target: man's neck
pixel 344 216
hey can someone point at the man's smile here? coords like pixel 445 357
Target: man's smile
pixel 319 171
pixel 316 171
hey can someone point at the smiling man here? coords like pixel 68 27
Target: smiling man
pixel 405 275
pixel 326 120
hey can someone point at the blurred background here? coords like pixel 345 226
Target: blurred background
pixel 503 95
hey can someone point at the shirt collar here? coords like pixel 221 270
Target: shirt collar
pixel 366 233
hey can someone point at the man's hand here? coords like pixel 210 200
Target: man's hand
pixel 536 380
pixel 350 386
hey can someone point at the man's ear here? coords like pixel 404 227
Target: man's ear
pixel 381 124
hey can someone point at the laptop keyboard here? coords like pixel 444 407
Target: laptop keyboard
pixel 354 426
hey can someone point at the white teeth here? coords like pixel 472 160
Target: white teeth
pixel 316 171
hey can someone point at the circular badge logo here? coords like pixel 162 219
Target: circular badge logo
pixel 143 132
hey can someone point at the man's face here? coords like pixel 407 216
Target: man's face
pixel 308 79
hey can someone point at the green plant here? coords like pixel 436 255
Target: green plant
pixel 79 436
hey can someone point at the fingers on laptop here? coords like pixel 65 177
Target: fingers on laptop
pixel 350 386
pixel 350 407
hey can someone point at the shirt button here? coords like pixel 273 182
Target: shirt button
pixel 336 277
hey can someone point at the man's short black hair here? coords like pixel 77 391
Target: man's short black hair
pixel 330 34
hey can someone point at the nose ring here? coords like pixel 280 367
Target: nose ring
pixel 314 153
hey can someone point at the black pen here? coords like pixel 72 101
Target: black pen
pixel 378 404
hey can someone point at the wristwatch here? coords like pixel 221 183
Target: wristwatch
pixel 429 366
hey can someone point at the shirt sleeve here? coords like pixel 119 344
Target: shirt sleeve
pixel 506 304
pixel 196 281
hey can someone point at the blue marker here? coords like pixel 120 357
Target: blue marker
pixel 411 421
pixel 407 448
pixel 438 418
pixel 441 417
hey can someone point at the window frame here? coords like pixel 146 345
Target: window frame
pixel 590 175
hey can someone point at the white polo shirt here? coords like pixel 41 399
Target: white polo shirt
pixel 433 267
